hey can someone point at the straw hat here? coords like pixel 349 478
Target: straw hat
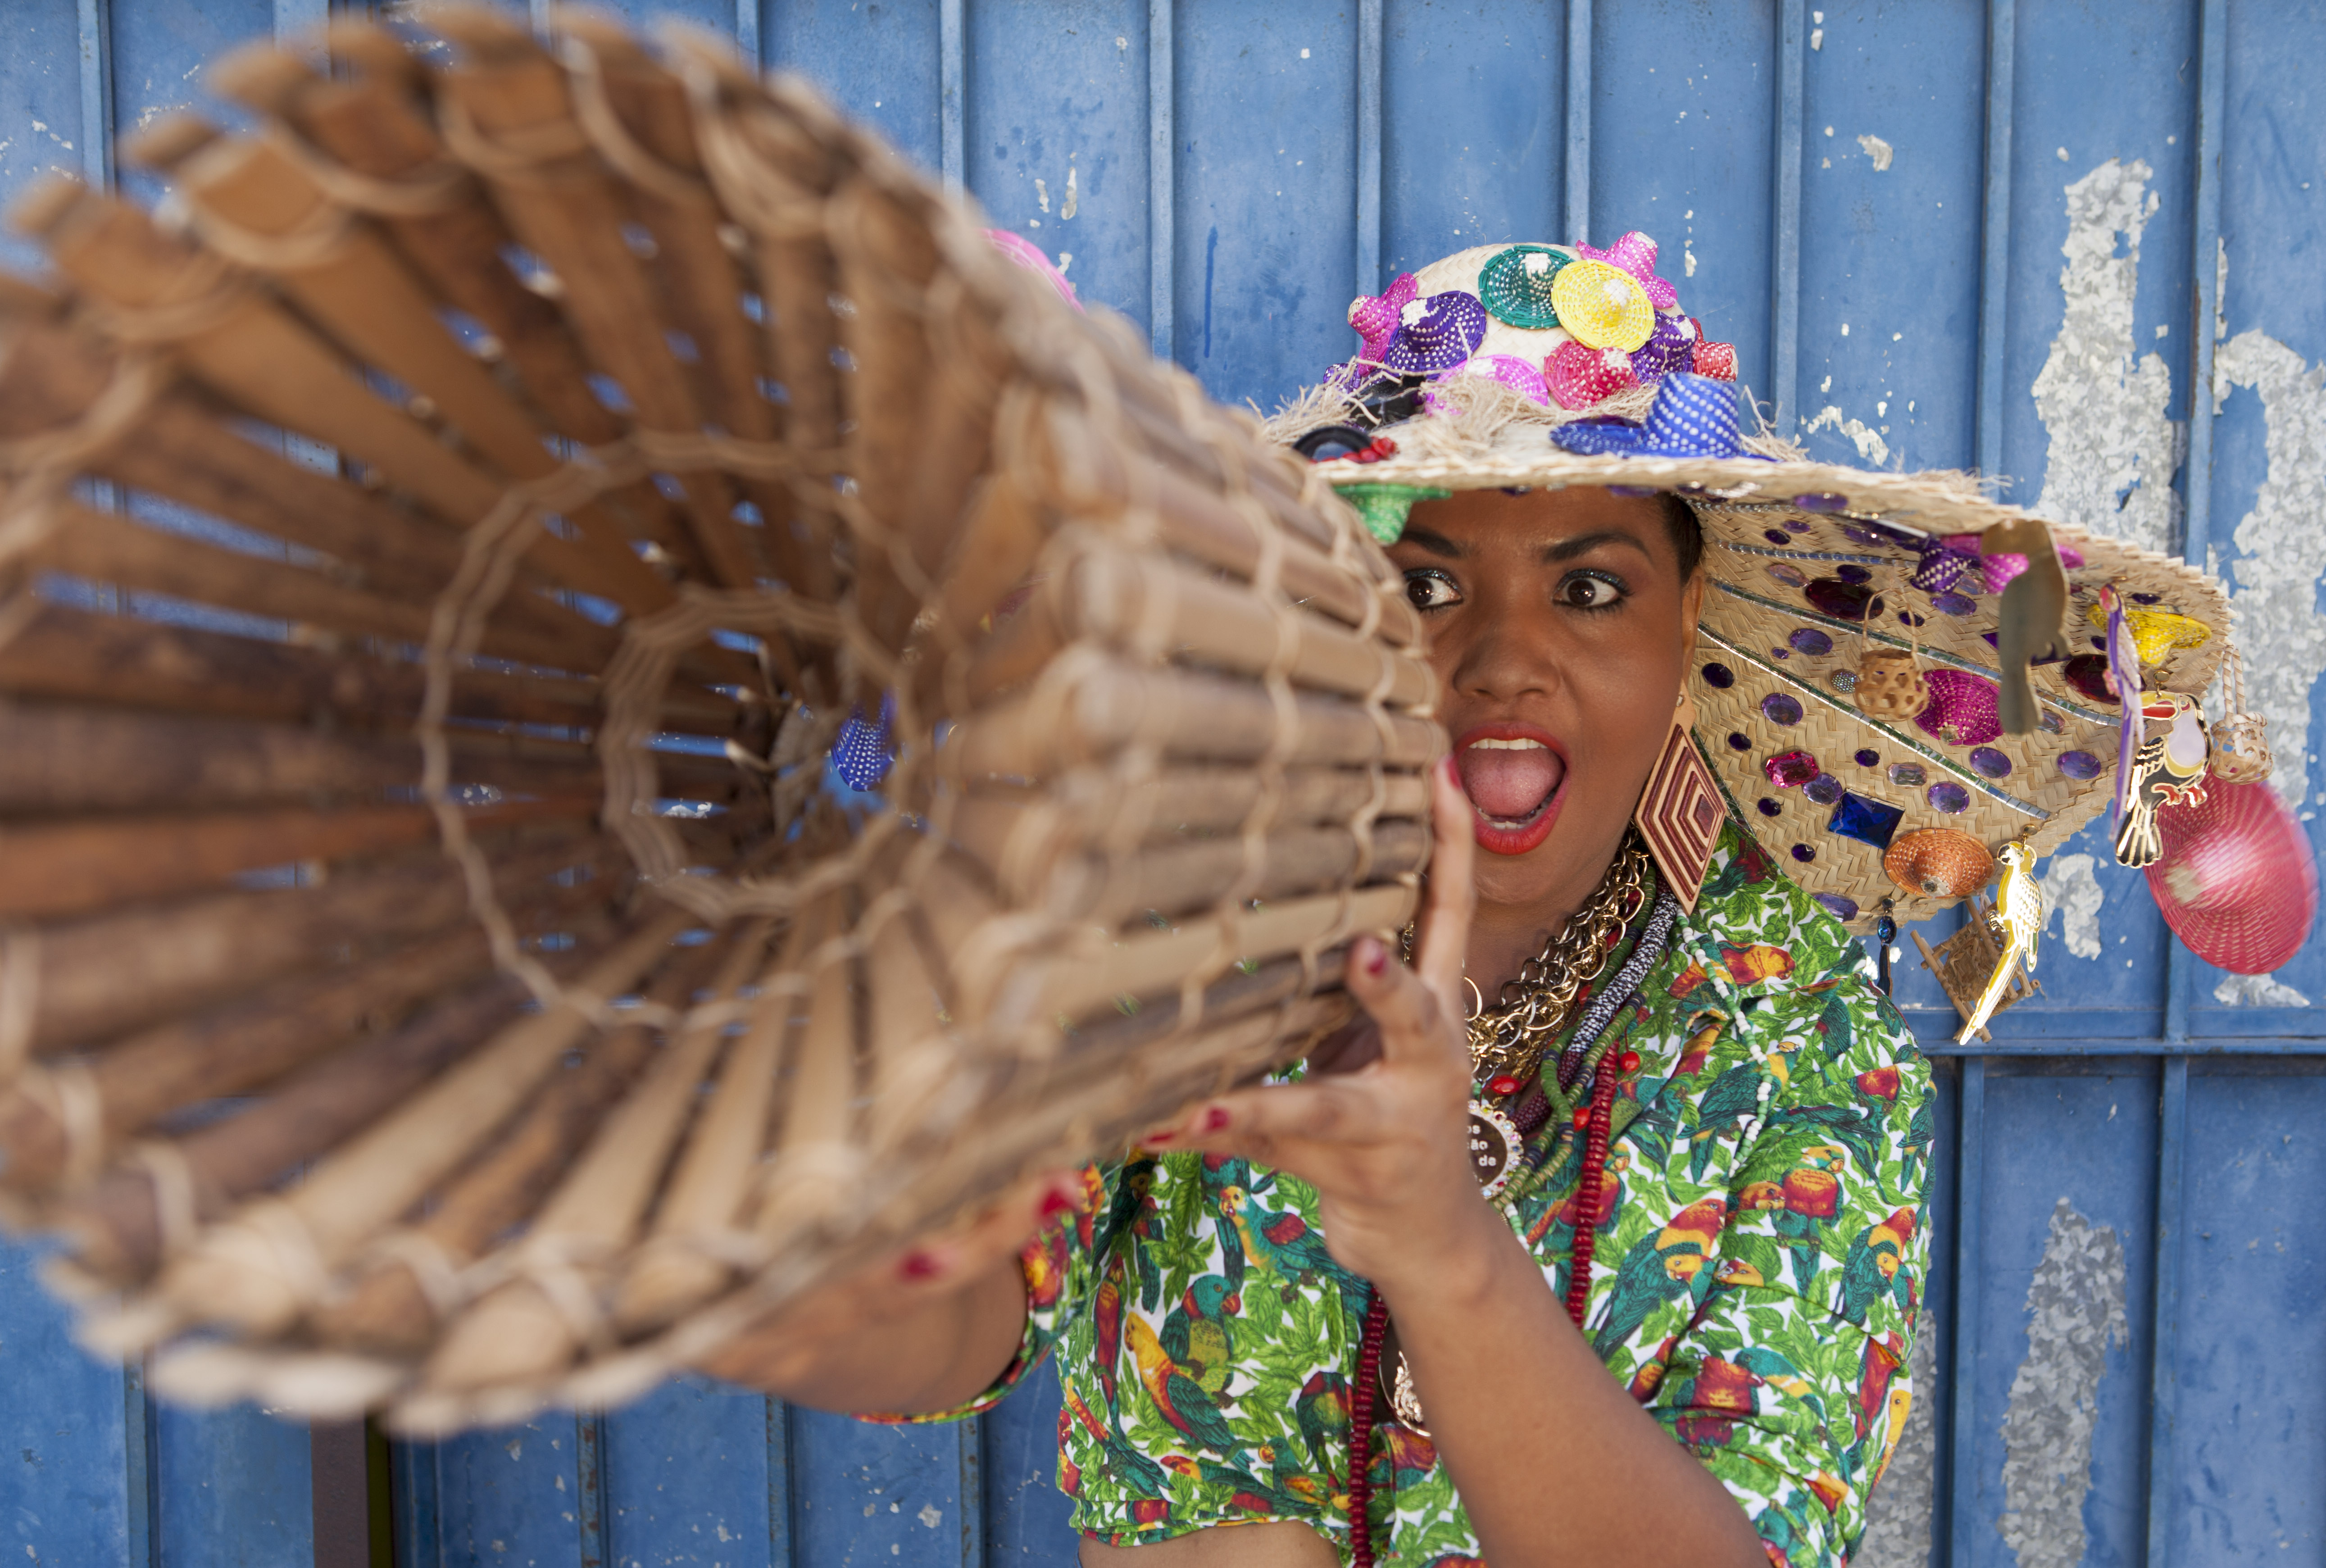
pixel 1850 682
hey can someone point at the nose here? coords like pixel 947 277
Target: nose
pixel 1503 658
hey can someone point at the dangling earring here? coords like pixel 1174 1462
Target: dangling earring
pixel 1679 812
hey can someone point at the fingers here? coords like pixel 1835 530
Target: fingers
pixel 1285 1125
pixel 938 1264
pixel 1442 937
pixel 1416 1025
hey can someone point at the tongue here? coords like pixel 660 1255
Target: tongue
pixel 1509 785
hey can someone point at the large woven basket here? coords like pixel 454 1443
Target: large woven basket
pixel 437 967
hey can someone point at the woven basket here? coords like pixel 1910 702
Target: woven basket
pixel 436 970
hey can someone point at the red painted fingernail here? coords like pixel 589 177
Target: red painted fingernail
pixel 1376 958
pixel 1153 1138
pixel 919 1265
pixel 1055 1203
pixel 1215 1119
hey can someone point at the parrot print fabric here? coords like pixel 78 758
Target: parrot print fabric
pixel 1759 1263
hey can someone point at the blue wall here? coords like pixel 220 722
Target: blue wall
pixel 1239 172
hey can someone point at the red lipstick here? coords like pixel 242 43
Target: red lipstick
pixel 1501 835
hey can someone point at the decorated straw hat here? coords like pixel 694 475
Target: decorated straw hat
pixel 1866 635
pixel 438 967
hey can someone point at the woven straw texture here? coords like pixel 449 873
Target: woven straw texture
pixel 435 971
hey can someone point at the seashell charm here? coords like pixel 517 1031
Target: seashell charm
pixel 1939 863
pixel 1890 686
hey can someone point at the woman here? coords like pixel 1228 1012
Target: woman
pixel 1717 1108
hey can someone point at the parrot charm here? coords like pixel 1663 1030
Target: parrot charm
pixel 2017 920
pixel 2167 770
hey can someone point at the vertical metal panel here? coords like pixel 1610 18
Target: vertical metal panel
pixel 1890 253
pixel 1056 144
pixel 2164 1345
pixel 1026 1513
pixel 1782 387
pixel 64 1460
pixel 1964 1518
pixel 863 1490
pixel 1370 23
pixel 1682 113
pixel 235 1487
pixel 879 62
pixel 1162 182
pixel 96 27
pixel 1575 187
pixel 511 1494
pixel 1994 231
pixel 1266 147
pixel 686 1478
pixel 2271 167
pixel 2079 1132
pixel 1472 124
pixel 2252 1430
pixel 952 84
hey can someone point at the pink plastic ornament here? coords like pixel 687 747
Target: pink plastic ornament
pixel 1033 259
pixel 2238 881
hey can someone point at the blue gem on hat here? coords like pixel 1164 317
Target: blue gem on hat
pixel 1437 334
pixel 1867 821
pixel 863 754
pixel 1692 417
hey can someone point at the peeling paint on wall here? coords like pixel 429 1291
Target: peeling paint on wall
pixel 1870 447
pixel 1898 1516
pixel 2071 890
pixel 2257 991
pixel 2075 1311
pixel 2282 547
pixel 2112 451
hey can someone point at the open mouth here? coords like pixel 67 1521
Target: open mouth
pixel 1515 776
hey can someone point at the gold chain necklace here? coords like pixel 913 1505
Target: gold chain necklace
pixel 1511 1039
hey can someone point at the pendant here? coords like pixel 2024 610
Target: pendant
pixel 1495 1147
pixel 1396 1385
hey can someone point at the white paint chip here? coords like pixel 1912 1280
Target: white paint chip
pixel 1123 44
pixel 2071 890
pixel 1687 257
pixel 1828 130
pixel 2075 1311
pixel 1845 329
pixel 929 1516
pixel 1304 54
pixel 1825 385
pixel 1066 207
pixel 2282 549
pixel 1816 38
pixel 2112 451
pixel 2257 991
pixel 2063 155
pixel 1042 195
pixel 1875 148
pixel 1870 447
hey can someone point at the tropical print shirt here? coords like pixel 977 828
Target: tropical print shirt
pixel 1762 1239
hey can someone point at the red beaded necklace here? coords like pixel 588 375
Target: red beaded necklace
pixel 1593 1121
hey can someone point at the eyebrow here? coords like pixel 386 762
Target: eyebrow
pixel 1583 544
pixel 1438 544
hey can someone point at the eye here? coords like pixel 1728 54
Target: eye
pixel 1589 591
pixel 1430 590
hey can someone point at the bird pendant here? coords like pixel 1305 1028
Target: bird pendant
pixel 2017 920
pixel 2167 770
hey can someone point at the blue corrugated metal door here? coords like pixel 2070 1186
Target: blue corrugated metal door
pixel 2075 245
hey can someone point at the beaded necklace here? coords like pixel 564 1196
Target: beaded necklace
pixel 1536 1008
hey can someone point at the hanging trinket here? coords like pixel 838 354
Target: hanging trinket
pixel 2015 922
pixel 2027 626
pixel 2240 751
pixel 1495 1148
pixel 2168 769
pixel 1891 685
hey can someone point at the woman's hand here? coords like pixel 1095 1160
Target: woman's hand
pixel 1380 1127
pixel 921 1328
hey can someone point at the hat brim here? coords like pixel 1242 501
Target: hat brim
pixel 2040 788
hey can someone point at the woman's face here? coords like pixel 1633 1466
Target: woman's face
pixel 1560 629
